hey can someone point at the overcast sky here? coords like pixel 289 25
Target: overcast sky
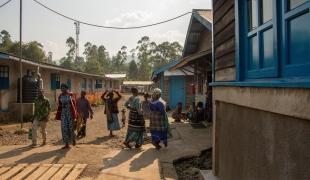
pixel 52 30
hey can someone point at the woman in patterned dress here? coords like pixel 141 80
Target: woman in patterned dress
pixel 66 112
pixel 159 125
pixel 136 122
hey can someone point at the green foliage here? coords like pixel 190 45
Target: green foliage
pixel 165 53
pixel 32 50
pixel 146 57
pixel 119 59
pixel 71 44
pixel 133 70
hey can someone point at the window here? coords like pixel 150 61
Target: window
pixel 98 84
pixel 55 81
pixel 295 3
pixel 84 83
pixel 275 42
pixel 4 77
pixel 90 84
pixel 259 39
pixel 296 35
pixel 69 83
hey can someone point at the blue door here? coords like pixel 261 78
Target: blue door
pixel 177 91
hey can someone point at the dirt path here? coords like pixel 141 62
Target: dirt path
pixel 90 150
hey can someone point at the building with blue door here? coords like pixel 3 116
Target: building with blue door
pixel 197 53
pixel 175 85
pixel 261 89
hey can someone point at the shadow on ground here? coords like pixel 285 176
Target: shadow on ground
pixel 15 152
pixel 58 154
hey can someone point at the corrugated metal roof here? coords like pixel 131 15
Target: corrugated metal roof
pixel 164 68
pixel 137 83
pixel 185 61
pixel 44 65
pixel 115 76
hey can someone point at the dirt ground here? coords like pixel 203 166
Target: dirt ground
pixel 90 150
pixel 97 133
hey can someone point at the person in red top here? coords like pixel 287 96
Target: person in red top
pixel 67 114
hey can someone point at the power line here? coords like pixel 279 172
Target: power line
pixel 2 5
pixel 111 27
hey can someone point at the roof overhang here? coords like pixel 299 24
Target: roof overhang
pixel 116 76
pixel 45 65
pixel 137 83
pixel 187 60
pixel 201 20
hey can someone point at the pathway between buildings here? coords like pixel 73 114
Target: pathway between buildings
pixel 105 156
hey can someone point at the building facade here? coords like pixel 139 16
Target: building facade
pixel 197 54
pixel 261 95
pixel 175 85
pixel 52 76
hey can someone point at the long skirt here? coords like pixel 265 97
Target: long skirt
pixel 113 125
pixel 158 136
pixel 135 136
pixel 67 130
pixel 136 128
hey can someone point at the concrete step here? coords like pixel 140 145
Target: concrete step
pixel 207 175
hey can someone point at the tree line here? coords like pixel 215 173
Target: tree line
pixel 137 63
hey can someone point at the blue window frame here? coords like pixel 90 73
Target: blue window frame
pixel 98 84
pixel 273 39
pixel 4 77
pixel 55 81
pixel 259 38
pixel 296 38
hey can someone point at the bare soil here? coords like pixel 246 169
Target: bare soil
pixel 90 150
pixel 188 168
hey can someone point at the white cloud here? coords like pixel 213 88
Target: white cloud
pixel 136 18
pixel 172 35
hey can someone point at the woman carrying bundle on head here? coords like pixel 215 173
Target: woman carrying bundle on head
pixel 111 109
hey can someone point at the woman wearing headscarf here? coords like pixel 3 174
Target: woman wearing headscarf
pixel 159 124
pixel 136 122
pixel 111 109
pixel 67 113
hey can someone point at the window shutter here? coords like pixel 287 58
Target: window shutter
pixel 53 81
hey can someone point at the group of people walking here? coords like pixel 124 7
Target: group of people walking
pixel 73 115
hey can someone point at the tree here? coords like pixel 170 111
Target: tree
pixel 34 51
pixel 5 39
pixel 93 66
pixel 133 70
pixel 67 62
pixel 144 52
pixel 71 44
pixel 165 52
pixel 104 58
pixel 119 59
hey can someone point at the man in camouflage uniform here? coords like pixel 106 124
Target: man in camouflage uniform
pixel 41 116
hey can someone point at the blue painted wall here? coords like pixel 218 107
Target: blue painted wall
pixel 177 91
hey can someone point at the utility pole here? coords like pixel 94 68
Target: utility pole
pixel 21 64
pixel 77 32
